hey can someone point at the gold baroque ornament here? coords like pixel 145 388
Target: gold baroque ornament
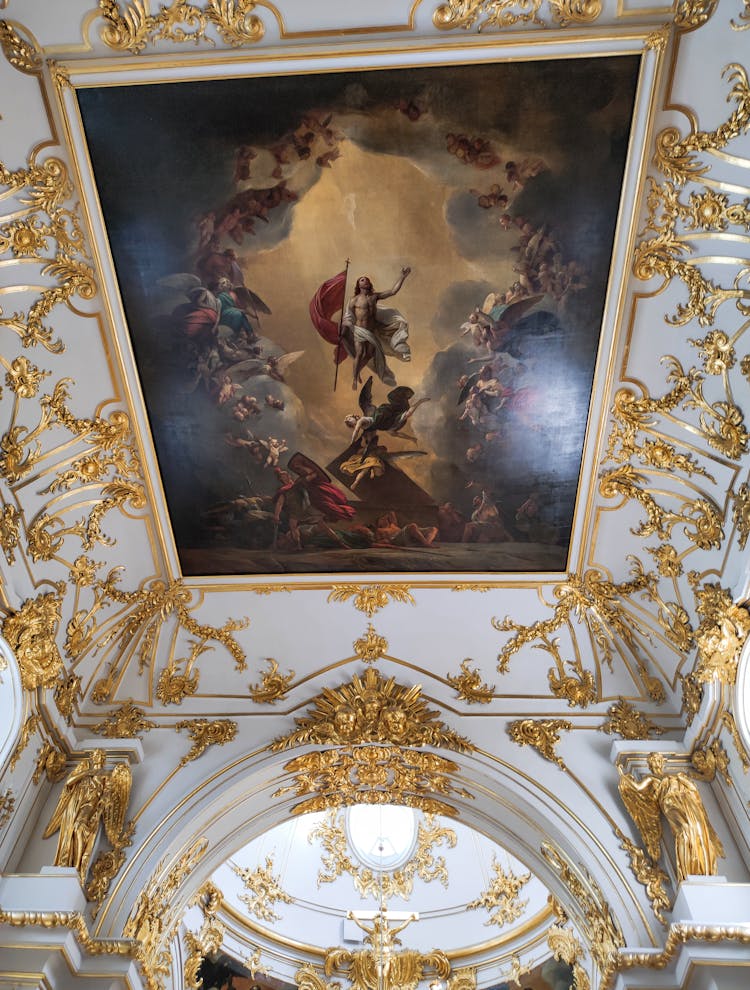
pixel 370 709
pixel 50 762
pixel 264 890
pixel 372 775
pixel 205 733
pixel 741 514
pixel 566 948
pixel 721 634
pixel 370 598
pixel 744 16
pixel 710 760
pixel 649 873
pixel 469 685
pixel 132 27
pixel 67 692
pixel 7 804
pixel 91 797
pixel 273 686
pixel 381 965
pixel 624 719
pixel 370 647
pixel 30 726
pixel 384 884
pixel 604 933
pixel 542 734
pixel 21 54
pixel 692 14
pixel 9 528
pixel 729 723
pixel 156 914
pixel 501 898
pixel 125 722
pixel 697 847
pixel 31 634
pixel 504 13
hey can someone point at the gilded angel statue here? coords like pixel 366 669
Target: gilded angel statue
pixel 91 796
pixel 676 797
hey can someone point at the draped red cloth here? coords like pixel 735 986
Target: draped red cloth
pixel 329 299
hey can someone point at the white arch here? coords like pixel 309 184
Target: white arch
pixel 11 705
pixel 235 804
pixel 741 701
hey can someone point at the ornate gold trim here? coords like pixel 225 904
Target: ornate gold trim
pixel 133 28
pixel 370 598
pixel 505 13
pixel 543 735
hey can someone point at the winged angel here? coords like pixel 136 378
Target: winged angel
pixel 91 796
pixel 675 796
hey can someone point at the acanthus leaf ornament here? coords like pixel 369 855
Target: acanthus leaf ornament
pixel 731 726
pixel 50 763
pixel 133 27
pixel 31 634
pixel 741 514
pixel 370 598
pixel 543 735
pixel 205 733
pixel 273 686
pixel 647 871
pixel 601 928
pixel 21 54
pixel 501 14
pixel 469 685
pixel 154 918
pixel 335 778
pixel 126 722
pixel 624 719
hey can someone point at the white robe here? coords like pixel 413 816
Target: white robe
pixel 391 337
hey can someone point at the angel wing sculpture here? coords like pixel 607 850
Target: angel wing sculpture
pixel 91 796
pixel 676 797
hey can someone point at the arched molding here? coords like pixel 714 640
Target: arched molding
pixel 741 701
pixel 12 705
pixel 235 805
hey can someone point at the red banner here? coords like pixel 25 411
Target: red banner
pixel 327 301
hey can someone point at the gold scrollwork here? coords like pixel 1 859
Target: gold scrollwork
pixel 566 948
pixel 133 28
pixel 370 598
pixel 741 514
pixel 155 918
pixel 501 898
pixel 371 709
pixel 723 629
pixel 10 520
pixel 469 685
pixel 126 722
pixel 205 733
pixel 31 634
pixel 30 726
pixel 47 185
pixel 264 890
pixel 744 16
pixel 67 692
pixel 649 873
pixel 384 884
pixel 707 761
pixel 603 932
pixel 624 719
pixel 731 726
pixel 372 775
pixel 692 14
pixel 7 804
pixel 370 647
pixel 541 734
pixel 273 686
pixel 504 13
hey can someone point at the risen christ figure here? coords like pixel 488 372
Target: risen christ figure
pixel 376 332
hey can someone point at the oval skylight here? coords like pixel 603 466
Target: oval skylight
pixel 381 836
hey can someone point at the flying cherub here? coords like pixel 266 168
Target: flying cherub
pixel 389 417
